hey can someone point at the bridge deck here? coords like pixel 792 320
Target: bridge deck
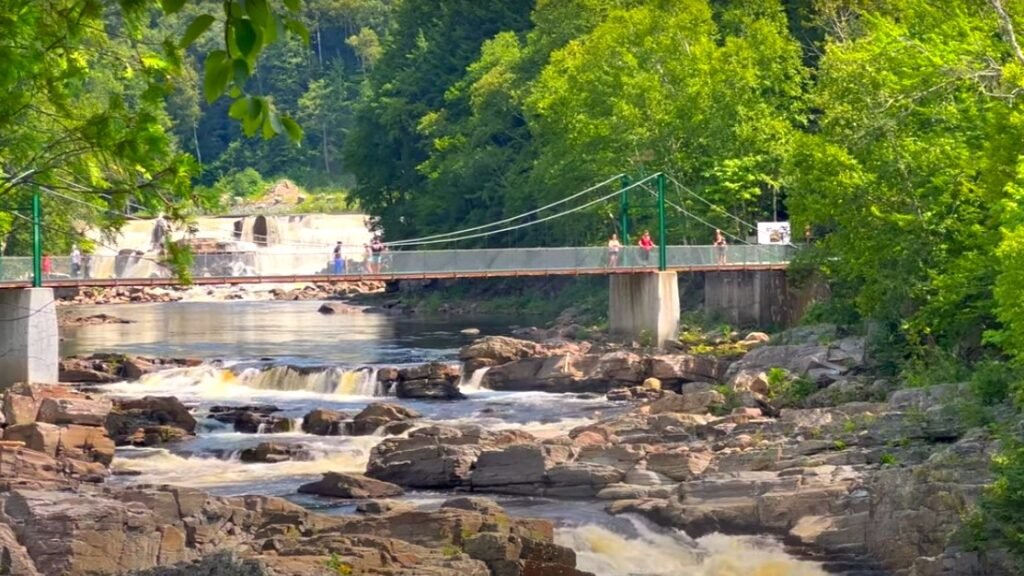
pixel 314 267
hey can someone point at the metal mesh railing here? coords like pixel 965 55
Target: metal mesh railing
pixel 401 263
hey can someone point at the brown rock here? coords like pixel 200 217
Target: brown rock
pixel 697 402
pixel 340 485
pixel 499 349
pixel 379 414
pixel 679 465
pixel 271 453
pixel 164 410
pixel 78 409
pixel 86 443
pixel 323 422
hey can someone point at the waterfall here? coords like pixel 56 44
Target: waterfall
pixel 473 384
pixel 337 381
pixel 362 382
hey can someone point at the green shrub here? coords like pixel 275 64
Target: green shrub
pixel 994 382
pixel 888 459
pixel 933 366
pixel 241 184
pixel 337 565
pixel 999 520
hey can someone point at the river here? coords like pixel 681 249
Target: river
pixel 287 354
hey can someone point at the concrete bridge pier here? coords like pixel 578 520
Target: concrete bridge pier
pixel 644 307
pixel 28 336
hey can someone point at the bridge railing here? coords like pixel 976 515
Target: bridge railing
pixel 403 263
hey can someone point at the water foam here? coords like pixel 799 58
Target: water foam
pixel 652 553
pixel 159 465
pixel 222 382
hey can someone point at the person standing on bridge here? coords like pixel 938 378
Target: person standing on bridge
pixel 720 247
pixel 376 248
pixel 76 261
pixel 614 247
pixel 47 266
pixel 646 245
pixel 339 260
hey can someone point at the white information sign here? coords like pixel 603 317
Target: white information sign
pixel 773 233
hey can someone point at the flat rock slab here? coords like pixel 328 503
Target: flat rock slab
pixel 340 485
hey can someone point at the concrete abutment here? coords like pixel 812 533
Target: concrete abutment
pixel 29 339
pixel 644 307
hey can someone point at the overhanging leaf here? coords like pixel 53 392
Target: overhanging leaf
pixel 196 29
pixel 240 70
pixel 172 6
pixel 292 128
pixel 239 108
pixel 215 75
pixel 246 37
pixel 259 12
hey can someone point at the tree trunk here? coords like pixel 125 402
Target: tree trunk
pixel 319 46
pixel 327 162
pixel 195 142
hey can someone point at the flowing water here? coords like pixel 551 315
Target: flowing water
pixel 288 355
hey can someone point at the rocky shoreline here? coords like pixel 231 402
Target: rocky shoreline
pixel 791 436
pixel 157 294
pixel 57 516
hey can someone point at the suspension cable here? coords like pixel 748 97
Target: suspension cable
pixel 679 186
pixel 84 203
pixel 418 241
pixel 535 222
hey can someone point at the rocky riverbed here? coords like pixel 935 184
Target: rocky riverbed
pixel 157 294
pixel 790 437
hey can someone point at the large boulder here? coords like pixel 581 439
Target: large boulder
pixel 436 456
pixel 77 409
pixel 676 368
pixel 497 350
pixel 324 422
pixel 256 419
pixel 428 390
pixel 695 401
pixel 85 443
pixel 149 421
pixel 272 453
pixel 340 485
pixel 24 468
pixel 434 381
pixel 380 414
pixel 27 403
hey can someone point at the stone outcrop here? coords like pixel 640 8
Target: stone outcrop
pixel 58 422
pixel 272 453
pixel 330 308
pixel 324 422
pixel 522 365
pixel 395 417
pixel 259 419
pixel 109 368
pixel 435 381
pixel 175 531
pixel 340 485
pixel 149 421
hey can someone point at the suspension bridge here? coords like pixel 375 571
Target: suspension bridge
pixel 643 297
pixel 420 258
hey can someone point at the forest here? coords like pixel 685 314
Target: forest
pixel 892 129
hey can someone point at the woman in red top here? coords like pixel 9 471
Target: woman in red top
pixel 646 245
pixel 47 265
